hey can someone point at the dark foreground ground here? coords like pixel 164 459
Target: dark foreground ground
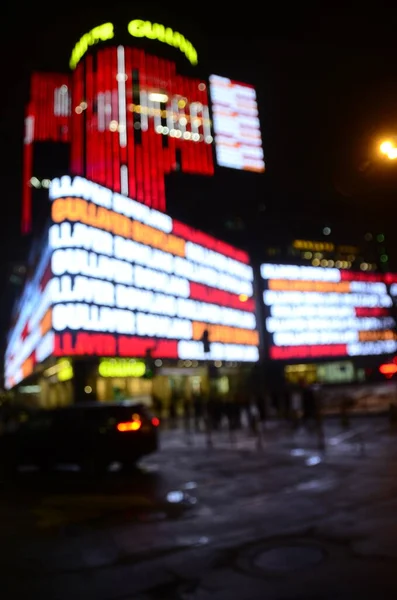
pixel 240 520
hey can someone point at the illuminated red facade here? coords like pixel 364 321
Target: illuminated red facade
pixel 129 119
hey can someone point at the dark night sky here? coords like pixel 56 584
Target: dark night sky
pixel 326 83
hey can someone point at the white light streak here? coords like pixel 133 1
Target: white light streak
pixel 124 179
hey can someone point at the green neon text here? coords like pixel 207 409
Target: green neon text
pixel 98 34
pixel 121 367
pixel 155 31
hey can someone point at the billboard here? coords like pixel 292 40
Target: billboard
pixel 125 279
pixel 238 141
pixel 325 312
pixel 130 119
pixel 31 339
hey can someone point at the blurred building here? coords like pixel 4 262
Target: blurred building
pixel 138 285
pixel 120 297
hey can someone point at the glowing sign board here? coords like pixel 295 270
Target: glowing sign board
pixel 121 367
pixel 236 125
pixel 155 31
pixel 101 33
pixel 65 370
pixel 31 339
pixel 139 29
pixel 125 279
pixel 315 246
pixel 320 312
pixel 126 133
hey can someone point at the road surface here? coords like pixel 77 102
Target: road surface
pixel 278 517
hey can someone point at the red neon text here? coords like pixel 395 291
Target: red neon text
pixel 352 276
pixel 375 311
pixel 214 296
pixel 134 346
pixel 198 237
pixel 285 352
pixel 91 344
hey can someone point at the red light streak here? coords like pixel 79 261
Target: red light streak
pixel 135 346
pixel 47 123
pixel 77 123
pixel 363 311
pixel 97 154
pixel 87 116
pixel 204 293
pixel 90 344
pixel 286 352
pixel 346 275
pixel 390 278
pixel 198 237
pixel 46 277
pixel 26 187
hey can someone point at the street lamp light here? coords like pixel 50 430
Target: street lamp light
pixel 385 147
pixel 388 149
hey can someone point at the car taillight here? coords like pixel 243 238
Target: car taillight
pixel 132 425
pixel 155 421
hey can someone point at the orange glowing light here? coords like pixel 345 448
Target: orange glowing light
pixel 46 322
pixel 309 286
pixel 226 334
pixel 79 210
pixel 243 297
pixel 129 426
pixel 388 369
pixel 376 336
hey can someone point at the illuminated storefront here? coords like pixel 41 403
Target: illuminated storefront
pixel 120 285
pixel 324 373
pixel 120 279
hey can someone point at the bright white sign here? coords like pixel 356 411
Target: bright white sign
pixel 314 312
pixel 29 340
pixel 122 279
pixel 236 125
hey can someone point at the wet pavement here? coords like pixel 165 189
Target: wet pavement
pixel 284 515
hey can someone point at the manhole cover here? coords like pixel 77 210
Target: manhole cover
pixel 281 558
pixel 288 558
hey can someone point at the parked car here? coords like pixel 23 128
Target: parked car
pixel 91 435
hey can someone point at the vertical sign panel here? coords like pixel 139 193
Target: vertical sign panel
pixel 236 125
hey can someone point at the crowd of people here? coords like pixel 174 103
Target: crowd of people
pixel 240 409
pixel 214 411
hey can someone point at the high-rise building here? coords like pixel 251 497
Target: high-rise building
pixel 118 288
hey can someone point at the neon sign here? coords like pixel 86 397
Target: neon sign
pixel 238 141
pixel 65 371
pixel 98 34
pixel 137 28
pixel 155 31
pixel 319 312
pixel 119 278
pixel 121 367
pixel 31 339
pixel 127 134
pixel 127 280
pixel 316 246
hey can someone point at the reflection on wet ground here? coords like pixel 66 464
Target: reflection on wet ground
pixel 230 521
pixel 66 497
